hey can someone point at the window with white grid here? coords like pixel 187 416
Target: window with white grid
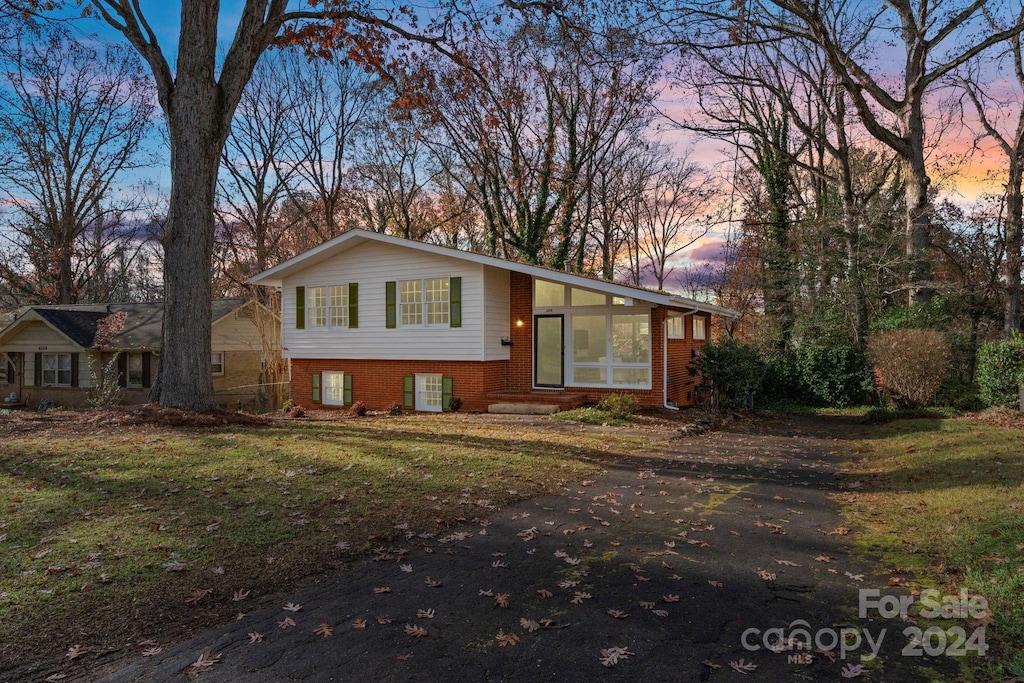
pixel 429 392
pixel 334 388
pixel 411 302
pixel 437 303
pixel 317 306
pixel 338 302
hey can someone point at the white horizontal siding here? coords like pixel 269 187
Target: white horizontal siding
pixel 371 265
pixel 496 313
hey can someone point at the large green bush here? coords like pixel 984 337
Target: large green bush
pixel 1000 371
pixel 826 375
pixel 729 371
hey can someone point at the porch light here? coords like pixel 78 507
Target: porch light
pixel 519 323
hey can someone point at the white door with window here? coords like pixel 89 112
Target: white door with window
pixel 429 391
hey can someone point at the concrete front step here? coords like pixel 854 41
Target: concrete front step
pixel 523 408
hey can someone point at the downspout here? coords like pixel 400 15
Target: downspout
pixel 664 362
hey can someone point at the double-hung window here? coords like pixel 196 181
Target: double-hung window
pixel 425 302
pixel 317 306
pixel 429 393
pixel 334 388
pixel 135 370
pixel 338 304
pixel 216 363
pixel 676 327
pixel 56 370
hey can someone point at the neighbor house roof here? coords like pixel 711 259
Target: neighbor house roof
pixel 274 277
pixel 134 326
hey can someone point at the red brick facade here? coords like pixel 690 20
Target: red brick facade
pixel 379 383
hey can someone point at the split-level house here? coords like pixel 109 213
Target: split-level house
pixel 383 320
pixel 62 352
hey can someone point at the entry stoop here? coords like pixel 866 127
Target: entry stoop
pixel 523 408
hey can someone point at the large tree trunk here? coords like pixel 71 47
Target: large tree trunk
pixel 198 129
pixel 1012 263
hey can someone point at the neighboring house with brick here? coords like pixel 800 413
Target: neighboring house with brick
pixel 383 320
pixel 63 352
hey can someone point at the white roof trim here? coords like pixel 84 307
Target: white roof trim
pixel 274 277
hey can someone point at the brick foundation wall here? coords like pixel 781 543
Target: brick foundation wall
pixel 378 383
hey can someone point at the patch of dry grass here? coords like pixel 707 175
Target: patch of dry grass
pixel 114 535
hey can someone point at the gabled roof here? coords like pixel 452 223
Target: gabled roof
pixel 133 326
pixel 274 277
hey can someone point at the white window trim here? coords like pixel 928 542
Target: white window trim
pixel 213 372
pixel 682 326
pixel 56 371
pixel 704 332
pixel 419 390
pixel 610 364
pixel 323 389
pixel 326 307
pixel 424 316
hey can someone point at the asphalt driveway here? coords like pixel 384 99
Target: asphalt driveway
pixel 665 567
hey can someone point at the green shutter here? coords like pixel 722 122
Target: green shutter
pixel 300 308
pixel 347 397
pixel 455 301
pixel 37 375
pixel 409 392
pixel 122 369
pixel 147 369
pixel 446 394
pixel 390 310
pixel 74 369
pixel 353 305
pixel 315 394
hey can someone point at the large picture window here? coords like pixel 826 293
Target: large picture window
pixel 611 350
pixel 56 369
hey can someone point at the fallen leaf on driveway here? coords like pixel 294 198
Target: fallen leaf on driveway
pixel 852 670
pixel 255 637
pixel 325 630
pixel 292 607
pixel 506 639
pixel 613 655
pixel 415 631
pixel 742 666
pixel 286 623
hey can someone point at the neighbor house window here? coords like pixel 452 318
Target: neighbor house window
pixel 134 369
pixel 425 301
pixel 338 302
pixel 429 390
pixel 611 350
pixel 316 306
pixel 334 388
pixel 56 369
pixel 676 327
pixel 699 328
pixel 216 363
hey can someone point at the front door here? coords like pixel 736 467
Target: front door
pixel 549 351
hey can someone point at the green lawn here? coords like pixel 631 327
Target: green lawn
pixel 114 535
pixel 944 498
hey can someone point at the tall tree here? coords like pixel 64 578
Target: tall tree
pixel 936 38
pixel 198 95
pixel 73 121
pixel 1001 115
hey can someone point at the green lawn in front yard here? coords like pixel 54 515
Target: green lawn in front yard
pixel 116 535
pixel 944 498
